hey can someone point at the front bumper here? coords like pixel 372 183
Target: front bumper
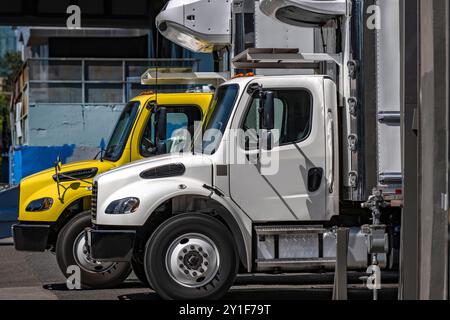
pixel 110 245
pixel 30 237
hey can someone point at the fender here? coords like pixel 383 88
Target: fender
pixel 240 226
pixel 57 209
pixel 154 193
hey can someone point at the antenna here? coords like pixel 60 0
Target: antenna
pixel 157 65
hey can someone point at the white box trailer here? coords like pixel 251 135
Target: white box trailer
pixel 312 146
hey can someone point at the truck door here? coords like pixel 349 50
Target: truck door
pixel 295 188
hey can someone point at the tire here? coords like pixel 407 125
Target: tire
pixel 195 244
pixel 139 271
pixel 93 275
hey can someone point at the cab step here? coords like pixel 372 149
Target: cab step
pixel 279 230
pixel 306 247
pixel 296 264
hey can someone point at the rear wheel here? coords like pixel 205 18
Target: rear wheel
pixel 191 256
pixel 71 251
pixel 139 271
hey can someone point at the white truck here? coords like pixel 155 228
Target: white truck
pixel 285 161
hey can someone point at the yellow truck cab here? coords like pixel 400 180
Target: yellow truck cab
pixel 54 206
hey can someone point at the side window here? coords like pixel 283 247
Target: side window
pixel 178 117
pixel 293 115
pixel 252 118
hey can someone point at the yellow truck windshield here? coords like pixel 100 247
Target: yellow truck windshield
pixel 121 132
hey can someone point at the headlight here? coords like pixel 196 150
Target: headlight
pixel 123 206
pixel 43 204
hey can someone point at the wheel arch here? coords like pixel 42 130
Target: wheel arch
pixel 68 212
pixel 198 204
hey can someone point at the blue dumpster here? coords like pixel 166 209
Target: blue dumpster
pixel 9 210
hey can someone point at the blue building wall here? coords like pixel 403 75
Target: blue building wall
pixel 73 132
pixel 80 125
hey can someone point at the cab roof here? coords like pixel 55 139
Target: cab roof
pixel 175 95
pixel 175 98
pixel 244 80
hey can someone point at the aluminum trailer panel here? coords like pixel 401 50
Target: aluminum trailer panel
pixel 388 95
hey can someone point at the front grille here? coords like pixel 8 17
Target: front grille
pixel 94 201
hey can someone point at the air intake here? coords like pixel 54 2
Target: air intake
pixel 76 175
pixel 167 171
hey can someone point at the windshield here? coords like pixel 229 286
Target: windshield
pixel 119 137
pixel 217 118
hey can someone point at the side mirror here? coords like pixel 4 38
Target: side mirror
pixel 161 130
pixel 267 109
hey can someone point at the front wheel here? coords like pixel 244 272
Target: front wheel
pixel 71 251
pixel 191 256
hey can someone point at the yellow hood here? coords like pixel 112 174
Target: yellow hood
pixel 42 185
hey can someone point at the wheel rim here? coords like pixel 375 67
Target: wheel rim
pixel 192 260
pixel 83 260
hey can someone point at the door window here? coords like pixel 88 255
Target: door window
pixel 178 117
pixel 293 118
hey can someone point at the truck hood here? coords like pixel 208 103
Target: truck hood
pixel 195 166
pixel 47 175
pixel 42 183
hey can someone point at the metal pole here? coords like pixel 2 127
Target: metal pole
pixel 409 250
pixel 340 273
pixel 433 146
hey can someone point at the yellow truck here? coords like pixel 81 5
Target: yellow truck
pixel 54 206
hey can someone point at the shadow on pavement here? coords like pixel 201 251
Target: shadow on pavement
pixel 245 289
pixel 63 287
pixel 283 294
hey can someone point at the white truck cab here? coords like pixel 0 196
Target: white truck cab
pixel 260 210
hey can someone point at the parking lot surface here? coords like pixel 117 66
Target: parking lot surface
pixel 35 276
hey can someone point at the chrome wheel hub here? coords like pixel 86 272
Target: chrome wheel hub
pixel 83 259
pixel 192 260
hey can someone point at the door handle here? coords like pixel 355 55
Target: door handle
pixel 315 176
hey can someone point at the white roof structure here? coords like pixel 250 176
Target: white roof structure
pixel 182 76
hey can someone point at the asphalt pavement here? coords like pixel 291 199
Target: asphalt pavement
pixel 36 276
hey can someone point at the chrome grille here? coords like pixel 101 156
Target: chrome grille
pixel 94 201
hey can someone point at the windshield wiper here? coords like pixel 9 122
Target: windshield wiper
pixel 101 153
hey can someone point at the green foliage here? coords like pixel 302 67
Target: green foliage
pixel 4 103
pixel 10 66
